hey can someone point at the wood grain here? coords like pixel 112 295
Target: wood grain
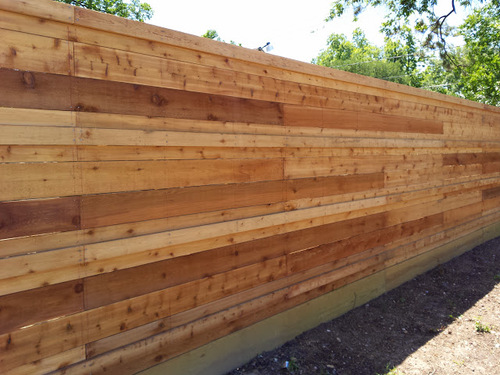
pixel 159 191
pixel 32 217
pixel 40 304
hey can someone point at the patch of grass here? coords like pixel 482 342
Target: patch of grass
pixel 482 328
pixel 496 277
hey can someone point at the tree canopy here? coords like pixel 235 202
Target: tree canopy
pixel 394 62
pixel 480 67
pixel 471 71
pixel 134 9
pixel 419 15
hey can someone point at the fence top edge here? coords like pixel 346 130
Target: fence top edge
pixel 61 12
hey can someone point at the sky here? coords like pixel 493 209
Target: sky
pixel 295 28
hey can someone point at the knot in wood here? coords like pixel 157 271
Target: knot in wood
pixel 29 80
pixel 158 100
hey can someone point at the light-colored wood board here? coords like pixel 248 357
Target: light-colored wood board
pixel 106 177
pixel 31 25
pixel 43 242
pixel 116 137
pixel 39 180
pixel 50 364
pixel 117 153
pixel 37 154
pixel 37 135
pixel 328 166
pixel 111 64
pixel 37 270
pixel 31 52
pixel 44 9
pixel 36 117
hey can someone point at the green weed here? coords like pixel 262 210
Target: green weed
pixel 390 370
pixel 482 328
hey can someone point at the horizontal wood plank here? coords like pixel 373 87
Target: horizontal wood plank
pixel 159 191
pixel 31 217
pixel 37 305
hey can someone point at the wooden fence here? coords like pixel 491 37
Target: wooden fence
pixel 159 191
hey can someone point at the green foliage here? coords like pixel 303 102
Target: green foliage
pixel 481 68
pixel 134 9
pixel 214 35
pixel 418 15
pixel 211 34
pixel 482 328
pixel 471 71
pixel 394 62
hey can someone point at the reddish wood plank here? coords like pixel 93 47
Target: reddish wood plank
pixel 462 158
pixel 92 95
pixel 379 122
pixel 491 167
pixel 491 193
pixel 51 91
pixel 357 120
pixel 117 208
pixel 25 218
pixel 40 304
pixel 34 90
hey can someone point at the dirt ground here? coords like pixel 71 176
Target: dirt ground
pixel 446 321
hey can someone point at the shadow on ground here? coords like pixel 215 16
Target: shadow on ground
pixel 373 338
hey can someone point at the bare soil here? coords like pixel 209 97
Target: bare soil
pixel 446 321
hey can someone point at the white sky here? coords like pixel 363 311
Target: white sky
pixel 295 28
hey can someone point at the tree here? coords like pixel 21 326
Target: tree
pixel 420 14
pixel 134 10
pixel 394 62
pixel 480 72
pixel 471 71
